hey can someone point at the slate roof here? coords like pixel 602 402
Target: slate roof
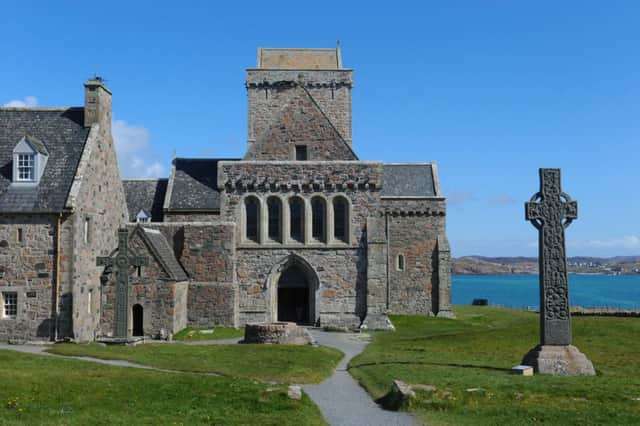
pixel 37 144
pixel 164 254
pixel 407 180
pixel 194 184
pixel 62 133
pixel 145 194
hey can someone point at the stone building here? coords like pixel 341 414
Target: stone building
pixel 300 229
pixel 61 200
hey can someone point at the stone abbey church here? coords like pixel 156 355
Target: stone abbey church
pixel 300 229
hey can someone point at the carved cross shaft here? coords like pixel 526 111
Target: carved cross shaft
pixel 121 262
pixel 551 211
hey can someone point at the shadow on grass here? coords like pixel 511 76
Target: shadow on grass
pixel 434 364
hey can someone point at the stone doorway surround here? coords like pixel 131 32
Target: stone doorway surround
pixel 287 268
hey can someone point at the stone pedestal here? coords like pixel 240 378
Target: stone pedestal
pixel 565 360
pixel 377 322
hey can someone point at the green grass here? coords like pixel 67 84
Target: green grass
pixel 478 349
pixel 192 334
pixel 278 363
pixel 39 390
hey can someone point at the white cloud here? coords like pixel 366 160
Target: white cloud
pixel 133 146
pixel 628 242
pixel 502 199
pixel 29 101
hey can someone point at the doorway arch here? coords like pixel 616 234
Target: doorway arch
pixel 138 317
pixel 294 288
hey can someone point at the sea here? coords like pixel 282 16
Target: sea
pixel 522 291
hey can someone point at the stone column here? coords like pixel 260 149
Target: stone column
pixel 443 252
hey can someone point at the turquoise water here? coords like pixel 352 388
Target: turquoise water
pixel 619 291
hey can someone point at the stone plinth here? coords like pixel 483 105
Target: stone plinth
pixel 565 360
pixel 277 332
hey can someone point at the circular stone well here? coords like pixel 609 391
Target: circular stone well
pixel 276 332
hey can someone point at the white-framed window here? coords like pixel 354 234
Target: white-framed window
pixel 9 304
pixel 26 168
pixel 143 217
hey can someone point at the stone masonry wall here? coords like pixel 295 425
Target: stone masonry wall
pixel 28 268
pixel 172 216
pixel 268 92
pixel 413 227
pixel 97 197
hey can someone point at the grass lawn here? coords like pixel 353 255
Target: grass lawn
pixel 478 349
pixel 38 390
pixel 278 363
pixel 192 334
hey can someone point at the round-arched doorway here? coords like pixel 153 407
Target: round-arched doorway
pixel 296 295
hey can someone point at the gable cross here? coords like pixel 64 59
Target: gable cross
pixel 551 211
pixel 121 263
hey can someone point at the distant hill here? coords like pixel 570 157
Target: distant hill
pixel 482 265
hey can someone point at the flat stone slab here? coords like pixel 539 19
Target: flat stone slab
pixel 278 333
pixel 565 360
pixel 120 340
pixel 522 370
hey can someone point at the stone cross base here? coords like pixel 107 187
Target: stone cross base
pixel 445 314
pixel 559 361
pixel 377 322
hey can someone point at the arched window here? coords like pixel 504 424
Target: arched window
pixel 341 219
pixel 296 216
pixel 318 220
pixel 252 217
pixel 274 208
pixel 400 263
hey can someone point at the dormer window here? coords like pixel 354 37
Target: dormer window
pixel 29 160
pixel 143 217
pixel 26 167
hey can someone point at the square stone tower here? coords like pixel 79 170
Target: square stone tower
pixel 319 71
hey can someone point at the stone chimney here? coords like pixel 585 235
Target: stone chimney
pixel 97 103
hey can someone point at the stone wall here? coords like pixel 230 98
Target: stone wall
pixel 97 198
pixel 28 268
pixel 212 304
pixel 173 216
pixel 413 227
pixel 268 92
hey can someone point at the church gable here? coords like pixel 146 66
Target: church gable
pixel 301 131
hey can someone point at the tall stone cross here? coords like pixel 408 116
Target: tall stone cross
pixel 551 211
pixel 122 261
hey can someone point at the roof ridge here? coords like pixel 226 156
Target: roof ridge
pixel 143 179
pixel 38 108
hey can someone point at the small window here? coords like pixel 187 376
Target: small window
pixel 301 153
pixel 296 219
pixel 89 301
pixel 26 167
pixel 400 263
pixel 252 212
pixel 143 217
pixel 86 230
pixel 274 207
pixel 138 271
pixel 20 235
pixel 340 219
pixel 10 305
pixel 318 214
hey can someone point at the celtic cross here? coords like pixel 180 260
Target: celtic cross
pixel 551 211
pixel 122 261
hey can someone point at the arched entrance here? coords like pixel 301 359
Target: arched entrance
pixel 138 316
pixel 294 285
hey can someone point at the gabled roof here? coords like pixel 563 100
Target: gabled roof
pixel 63 132
pixel 409 180
pixel 36 144
pixel 145 194
pixel 301 120
pixel 162 251
pixel 193 184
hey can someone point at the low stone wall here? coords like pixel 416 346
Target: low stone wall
pixel 276 332
pixel 604 312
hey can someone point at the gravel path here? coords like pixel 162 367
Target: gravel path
pixel 342 401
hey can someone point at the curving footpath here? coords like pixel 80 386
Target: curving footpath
pixel 342 401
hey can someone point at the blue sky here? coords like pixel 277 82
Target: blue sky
pixel 491 90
